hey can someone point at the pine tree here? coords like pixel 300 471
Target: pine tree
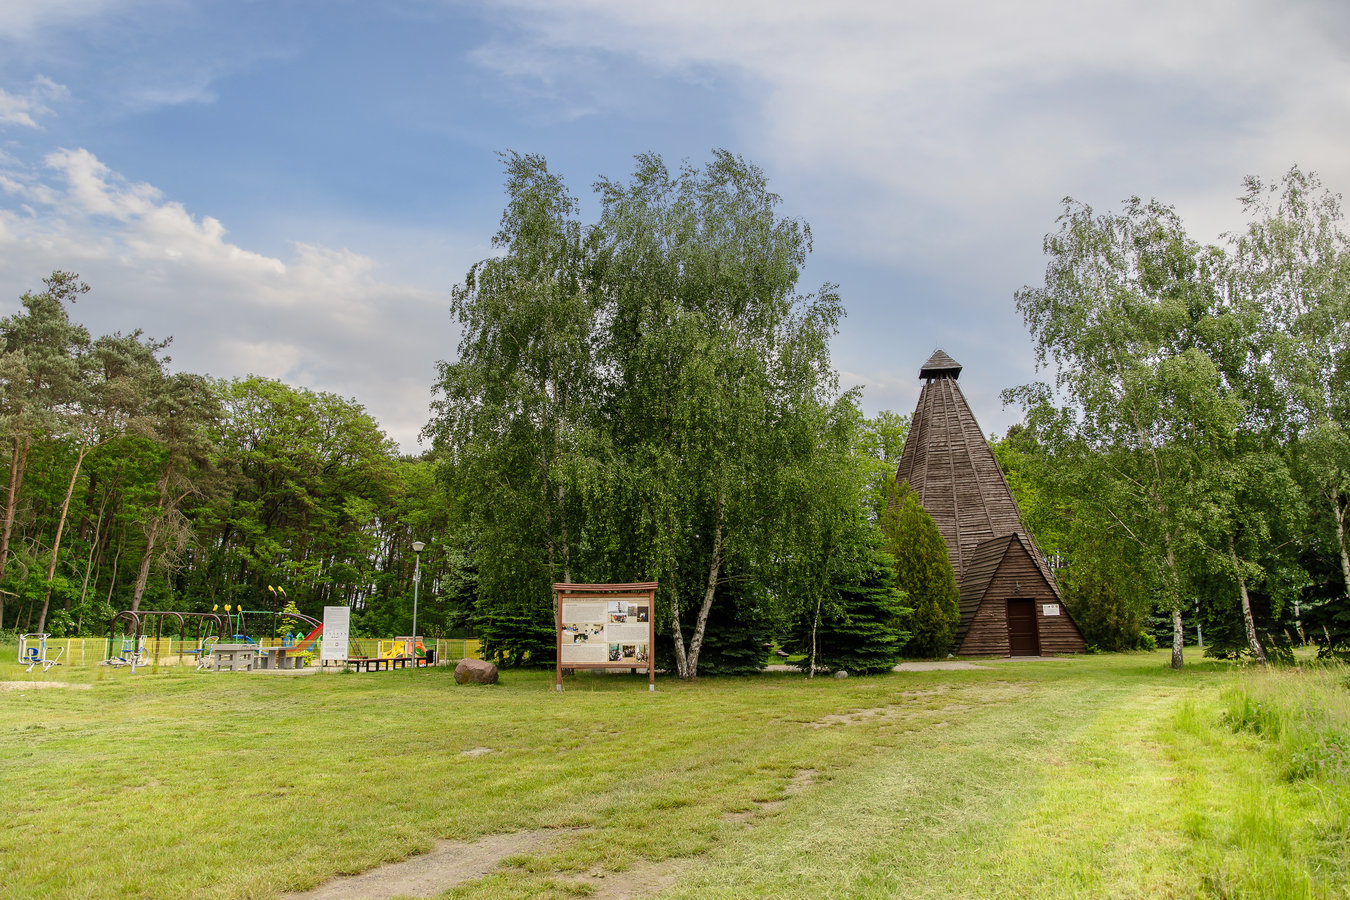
pixel 738 632
pixel 923 572
pixel 864 633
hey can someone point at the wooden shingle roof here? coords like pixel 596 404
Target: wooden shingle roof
pixel 940 365
pixel 954 475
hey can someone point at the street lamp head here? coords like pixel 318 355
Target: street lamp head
pixel 418 546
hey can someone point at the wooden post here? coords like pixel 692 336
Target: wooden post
pixel 557 628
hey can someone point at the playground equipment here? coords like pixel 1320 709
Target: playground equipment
pixel 33 652
pixel 410 648
pixel 132 653
pixel 203 651
pixel 220 638
pixel 134 635
pixel 236 623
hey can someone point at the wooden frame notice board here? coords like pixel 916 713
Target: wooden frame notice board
pixel 606 626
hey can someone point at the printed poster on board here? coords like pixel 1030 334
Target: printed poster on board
pixel 598 632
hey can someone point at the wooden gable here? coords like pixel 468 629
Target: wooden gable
pixel 1006 569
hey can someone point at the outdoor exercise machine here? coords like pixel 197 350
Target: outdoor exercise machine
pixel 135 634
pixel 33 652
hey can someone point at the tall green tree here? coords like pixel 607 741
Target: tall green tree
pixel 513 414
pixel 1125 315
pixel 631 397
pixel 185 410
pixel 110 401
pixel 1292 264
pixel 924 573
pixel 717 368
pixel 40 369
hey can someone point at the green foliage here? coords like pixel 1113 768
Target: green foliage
pixel 520 635
pixel 136 485
pixel 863 631
pixel 923 573
pixel 633 400
pixel 1100 588
pixel 1189 380
pixel 740 627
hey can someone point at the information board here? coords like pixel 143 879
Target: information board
pixel 606 627
pixel 337 621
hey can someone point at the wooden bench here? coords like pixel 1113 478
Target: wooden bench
pixel 378 663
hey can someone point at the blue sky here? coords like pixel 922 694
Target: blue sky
pixel 292 188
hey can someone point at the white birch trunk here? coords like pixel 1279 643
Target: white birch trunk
pixel 1248 622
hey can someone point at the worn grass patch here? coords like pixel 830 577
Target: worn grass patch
pixel 1104 776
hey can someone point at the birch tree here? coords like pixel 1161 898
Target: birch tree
pixel 511 419
pixel 716 368
pixel 1117 317
pixel 1292 263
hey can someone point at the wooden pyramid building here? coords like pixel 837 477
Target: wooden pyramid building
pixel 1010 604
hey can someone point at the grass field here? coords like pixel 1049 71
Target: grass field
pixel 1104 776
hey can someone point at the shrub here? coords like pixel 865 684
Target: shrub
pixel 923 573
pixel 862 629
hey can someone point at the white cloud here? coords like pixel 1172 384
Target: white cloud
pixel 323 318
pixel 20 109
pixel 21 20
pixel 986 113
pixel 929 145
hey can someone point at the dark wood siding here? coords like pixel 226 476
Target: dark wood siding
pixel 1017 577
pixel 988 632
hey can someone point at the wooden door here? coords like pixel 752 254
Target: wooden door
pixel 1023 639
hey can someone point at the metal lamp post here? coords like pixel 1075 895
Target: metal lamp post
pixel 417 579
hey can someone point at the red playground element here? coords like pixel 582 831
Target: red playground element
pixel 308 641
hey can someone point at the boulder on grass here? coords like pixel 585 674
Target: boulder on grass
pixel 475 671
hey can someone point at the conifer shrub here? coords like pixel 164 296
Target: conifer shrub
pixel 860 628
pixel 923 572
pixel 738 631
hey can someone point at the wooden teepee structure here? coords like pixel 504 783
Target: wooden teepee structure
pixel 1010 604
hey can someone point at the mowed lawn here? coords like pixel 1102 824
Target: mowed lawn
pixel 1102 776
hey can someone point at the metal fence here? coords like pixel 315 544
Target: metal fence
pixel 76 652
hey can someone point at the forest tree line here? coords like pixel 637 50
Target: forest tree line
pixel 131 486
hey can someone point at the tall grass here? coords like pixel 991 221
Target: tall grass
pixel 1303 715
pixel 1300 718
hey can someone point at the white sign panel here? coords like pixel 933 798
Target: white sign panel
pixel 337 621
pixel 1050 609
pixel 597 631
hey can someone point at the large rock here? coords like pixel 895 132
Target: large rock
pixel 475 671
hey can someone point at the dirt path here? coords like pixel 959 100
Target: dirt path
pixel 449 863
pixel 25 685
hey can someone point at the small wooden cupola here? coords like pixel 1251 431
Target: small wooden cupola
pixel 1010 604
